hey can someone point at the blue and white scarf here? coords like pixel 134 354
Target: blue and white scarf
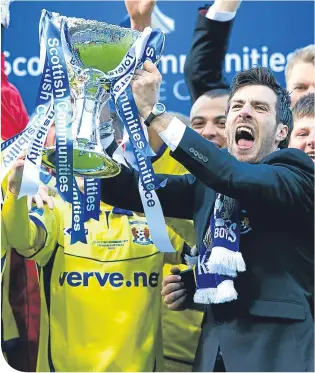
pixel 220 258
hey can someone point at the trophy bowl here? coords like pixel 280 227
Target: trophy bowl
pixel 91 49
pixel 98 45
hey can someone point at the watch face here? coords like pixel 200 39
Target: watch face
pixel 160 107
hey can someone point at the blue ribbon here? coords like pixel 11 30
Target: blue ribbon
pixel 11 140
pixel 92 199
pixel 128 112
pixel 63 112
pixel 66 183
pixel 154 47
pixel 77 230
pixel 137 139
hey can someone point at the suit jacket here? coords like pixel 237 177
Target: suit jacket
pixel 205 60
pixel 270 326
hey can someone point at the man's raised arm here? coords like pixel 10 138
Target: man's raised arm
pixel 205 60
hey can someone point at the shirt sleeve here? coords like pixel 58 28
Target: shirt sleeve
pixel 173 134
pixel 219 16
pixel 37 231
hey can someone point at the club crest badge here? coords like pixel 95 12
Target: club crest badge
pixel 140 232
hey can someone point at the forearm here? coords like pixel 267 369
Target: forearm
pixel 155 140
pixel 279 181
pixel 22 233
pixel 226 5
pixel 123 191
pixel 140 24
pixel 204 62
pixel 160 123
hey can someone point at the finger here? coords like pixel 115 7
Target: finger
pixel 141 72
pixel 170 279
pixel 19 162
pixel 170 288
pixel 174 296
pixel 150 67
pixel 175 299
pixel 135 77
pixel 50 203
pixel 38 200
pixel 178 304
pixel 175 270
pixel 22 156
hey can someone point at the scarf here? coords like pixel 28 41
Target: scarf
pixel 220 258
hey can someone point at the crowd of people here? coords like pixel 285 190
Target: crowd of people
pixel 239 209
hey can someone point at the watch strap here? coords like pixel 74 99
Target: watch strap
pixel 149 119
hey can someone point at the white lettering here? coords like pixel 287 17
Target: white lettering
pixel 164 64
pixel 7 65
pixel 170 64
pixel 228 62
pixel 162 91
pixel 182 60
pixel 32 62
pixel 202 265
pixel 16 69
pixel 277 62
pixel 177 94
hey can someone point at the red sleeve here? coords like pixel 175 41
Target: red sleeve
pixel 14 117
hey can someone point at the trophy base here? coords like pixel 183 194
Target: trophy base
pixel 89 163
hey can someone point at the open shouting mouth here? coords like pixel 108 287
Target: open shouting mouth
pixel 244 137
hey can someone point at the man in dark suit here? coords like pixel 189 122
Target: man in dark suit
pixel 203 69
pixel 269 324
pixel 204 63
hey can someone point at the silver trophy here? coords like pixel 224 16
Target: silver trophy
pixel 91 50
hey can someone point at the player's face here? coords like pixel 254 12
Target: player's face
pixel 208 118
pixel 303 136
pixel 301 81
pixel 251 125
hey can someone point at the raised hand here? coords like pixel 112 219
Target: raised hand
pixel 140 12
pixel 41 198
pixel 145 86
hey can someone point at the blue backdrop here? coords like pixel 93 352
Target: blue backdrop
pixel 269 30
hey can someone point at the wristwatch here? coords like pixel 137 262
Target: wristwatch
pixel 157 110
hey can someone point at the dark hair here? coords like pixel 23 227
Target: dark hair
pixel 304 107
pixel 219 92
pixel 264 76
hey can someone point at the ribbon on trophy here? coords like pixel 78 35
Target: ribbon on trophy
pixel 77 229
pixel 63 110
pixel 53 104
pixel 30 139
pixel 66 183
pixel 92 191
pixel 145 47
